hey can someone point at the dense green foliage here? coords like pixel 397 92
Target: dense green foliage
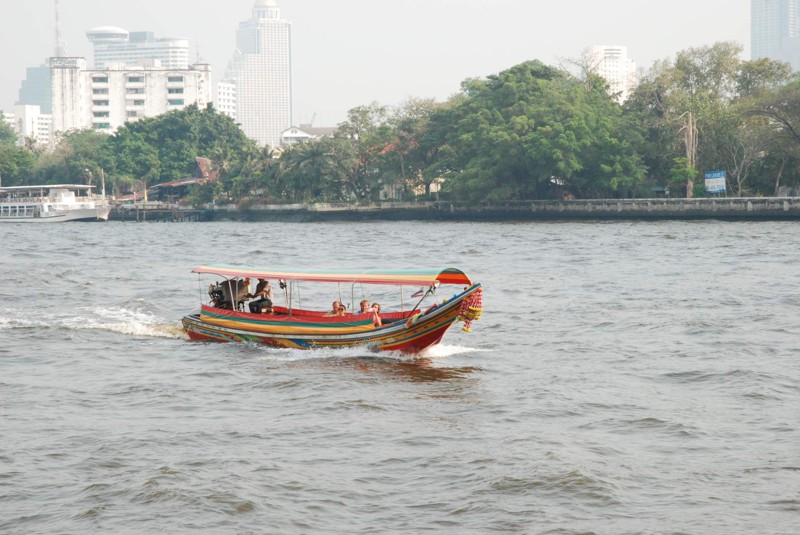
pixel 533 130
pixel 711 91
pixel 145 152
pixel 529 132
pixel 15 162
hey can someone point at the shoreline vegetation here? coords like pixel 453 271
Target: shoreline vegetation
pixel 721 208
pixel 532 131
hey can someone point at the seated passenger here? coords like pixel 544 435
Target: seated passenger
pixel 376 308
pixel 336 309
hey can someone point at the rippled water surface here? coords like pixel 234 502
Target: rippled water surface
pixel 625 378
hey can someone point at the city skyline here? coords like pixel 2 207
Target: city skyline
pixel 352 52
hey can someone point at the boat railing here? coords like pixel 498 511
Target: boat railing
pixel 40 199
pixel 20 200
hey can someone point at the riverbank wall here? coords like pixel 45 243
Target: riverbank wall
pixel 728 209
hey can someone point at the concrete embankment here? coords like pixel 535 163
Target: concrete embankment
pixel 732 209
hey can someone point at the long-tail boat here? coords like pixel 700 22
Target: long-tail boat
pixel 224 318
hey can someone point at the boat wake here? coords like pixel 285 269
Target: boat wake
pixel 123 320
pixel 440 351
pixel 384 364
pixel 445 350
pixel 134 322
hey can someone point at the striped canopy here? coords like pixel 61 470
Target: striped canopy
pixel 415 277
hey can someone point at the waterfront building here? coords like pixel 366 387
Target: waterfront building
pixel 114 45
pixel 775 30
pixel 35 88
pixel 261 73
pixel 613 64
pixel 104 99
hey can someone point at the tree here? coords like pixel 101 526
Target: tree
pixel 697 109
pixel 16 163
pixel 533 131
pixel 652 109
pixel 318 170
pixel 78 156
pixel 761 75
pixel 413 153
pixel 782 107
pixel 7 134
pixel 368 133
pixel 175 139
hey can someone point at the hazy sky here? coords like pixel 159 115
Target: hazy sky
pixel 347 53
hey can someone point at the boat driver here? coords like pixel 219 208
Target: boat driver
pixel 264 297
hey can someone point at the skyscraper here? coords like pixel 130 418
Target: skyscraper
pixel 775 30
pixel 613 64
pixel 261 73
pixel 35 89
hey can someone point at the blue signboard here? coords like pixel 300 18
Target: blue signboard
pixel 715 181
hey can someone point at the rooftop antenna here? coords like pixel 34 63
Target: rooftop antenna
pixel 61 47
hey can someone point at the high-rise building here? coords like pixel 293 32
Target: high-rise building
pixel 613 64
pixel 104 99
pixel 35 88
pixel 775 30
pixel 114 45
pixel 261 73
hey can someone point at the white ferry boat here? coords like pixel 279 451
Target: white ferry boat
pixel 52 203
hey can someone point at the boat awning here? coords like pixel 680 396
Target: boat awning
pixel 414 277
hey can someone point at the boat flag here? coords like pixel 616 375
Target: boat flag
pixel 419 293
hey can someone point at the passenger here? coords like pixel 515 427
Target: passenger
pixel 335 309
pixel 376 308
pixel 264 297
pixel 366 309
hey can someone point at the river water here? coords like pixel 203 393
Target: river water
pixel 625 378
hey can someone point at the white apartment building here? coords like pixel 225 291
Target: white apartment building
pixel 261 72
pixel 29 122
pixel 104 99
pixel 8 118
pixel 114 45
pixel 613 64
pixel 226 98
